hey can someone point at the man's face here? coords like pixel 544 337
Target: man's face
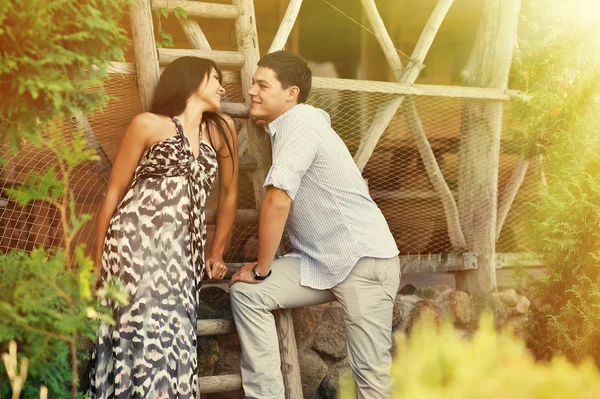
pixel 269 99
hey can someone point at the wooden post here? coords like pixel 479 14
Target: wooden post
pixel 259 147
pixel 144 48
pixel 435 176
pixel 488 66
pixel 387 111
pixel 286 26
pixel 510 192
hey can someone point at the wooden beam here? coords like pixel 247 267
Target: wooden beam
pixel 220 383
pixel 144 48
pixel 286 26
pixel 520 259
pixel 198 9
pixel 386 113
pixel 488 66
pixel 510 192
pixel 243 217
pixel 212 327
pixel 194 34
pixel 438 263
pixel 435 176
pixel 236 110
pixel 260 149
pixel 102 164
pixel 222 58
pixel 371 86
pixel 128 68
pixel 384 39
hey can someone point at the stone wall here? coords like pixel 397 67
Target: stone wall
pixel 321 339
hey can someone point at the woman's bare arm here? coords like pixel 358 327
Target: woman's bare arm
pixel 132 146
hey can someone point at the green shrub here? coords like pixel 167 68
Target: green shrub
pixel 53 59
pixel 560 120
pixel 439 363
pixel 46 298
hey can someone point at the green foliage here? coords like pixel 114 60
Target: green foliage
pixel 439 363
pixel 167 38
pixel 558 69
pixel 53 59
pixel 565 229
pixel 560 73
pixel 46 296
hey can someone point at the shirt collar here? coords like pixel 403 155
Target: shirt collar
pixel 273 126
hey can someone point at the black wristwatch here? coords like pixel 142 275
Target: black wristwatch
pixel 257 276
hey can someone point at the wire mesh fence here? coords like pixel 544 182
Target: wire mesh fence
pixel 395 173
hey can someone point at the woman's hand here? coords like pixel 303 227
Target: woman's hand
pixel 215 267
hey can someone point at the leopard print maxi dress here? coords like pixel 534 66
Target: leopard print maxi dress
pixel 155 246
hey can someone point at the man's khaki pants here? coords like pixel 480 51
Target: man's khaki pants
pixel 367 297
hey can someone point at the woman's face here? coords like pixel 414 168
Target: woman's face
pixel 211 90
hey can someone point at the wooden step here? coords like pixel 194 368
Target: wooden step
pixel 220 383
pixel 210 327
pixel 199 9
pixel 222 58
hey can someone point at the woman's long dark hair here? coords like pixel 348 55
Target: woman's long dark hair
pixel 178 82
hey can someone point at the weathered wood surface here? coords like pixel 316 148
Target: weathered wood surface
pixel 286 26
pixel 220 383
pixel 215 327
pixel 488 66
pixel 198 8
pixel 222 58
pixel 144 48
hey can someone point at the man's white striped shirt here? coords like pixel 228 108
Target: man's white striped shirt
pixel 333 222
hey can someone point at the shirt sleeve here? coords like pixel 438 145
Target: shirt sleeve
pixel 294 149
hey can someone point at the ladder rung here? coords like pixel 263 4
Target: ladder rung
pixel 208 327
pixel 243 217
pixel 220 383
pixel 222 58
pixel 235 110
pixel 199 9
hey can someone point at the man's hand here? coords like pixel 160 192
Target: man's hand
pixel 244 275
pixel 215 267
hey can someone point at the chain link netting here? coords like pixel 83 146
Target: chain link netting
pixel 396 176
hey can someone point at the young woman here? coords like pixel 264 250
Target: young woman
pixel 151 234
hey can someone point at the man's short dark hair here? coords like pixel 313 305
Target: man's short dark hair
pixel 291 70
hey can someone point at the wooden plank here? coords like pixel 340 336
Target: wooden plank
pixel 523 259
pixel 426 90
pixel 438 263
pixel 102 164
pixel 505 277
pixel 128 68
pixel 243 217
pixel 211 327
pixel 144 48
pixel 220 383
pixel 198 9
pixel 222 58
pixel 286 26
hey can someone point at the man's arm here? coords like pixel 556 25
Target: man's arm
pixel 273 215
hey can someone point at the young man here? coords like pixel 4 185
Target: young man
pixel 346 250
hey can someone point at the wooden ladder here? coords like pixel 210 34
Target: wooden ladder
pixel 148 61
